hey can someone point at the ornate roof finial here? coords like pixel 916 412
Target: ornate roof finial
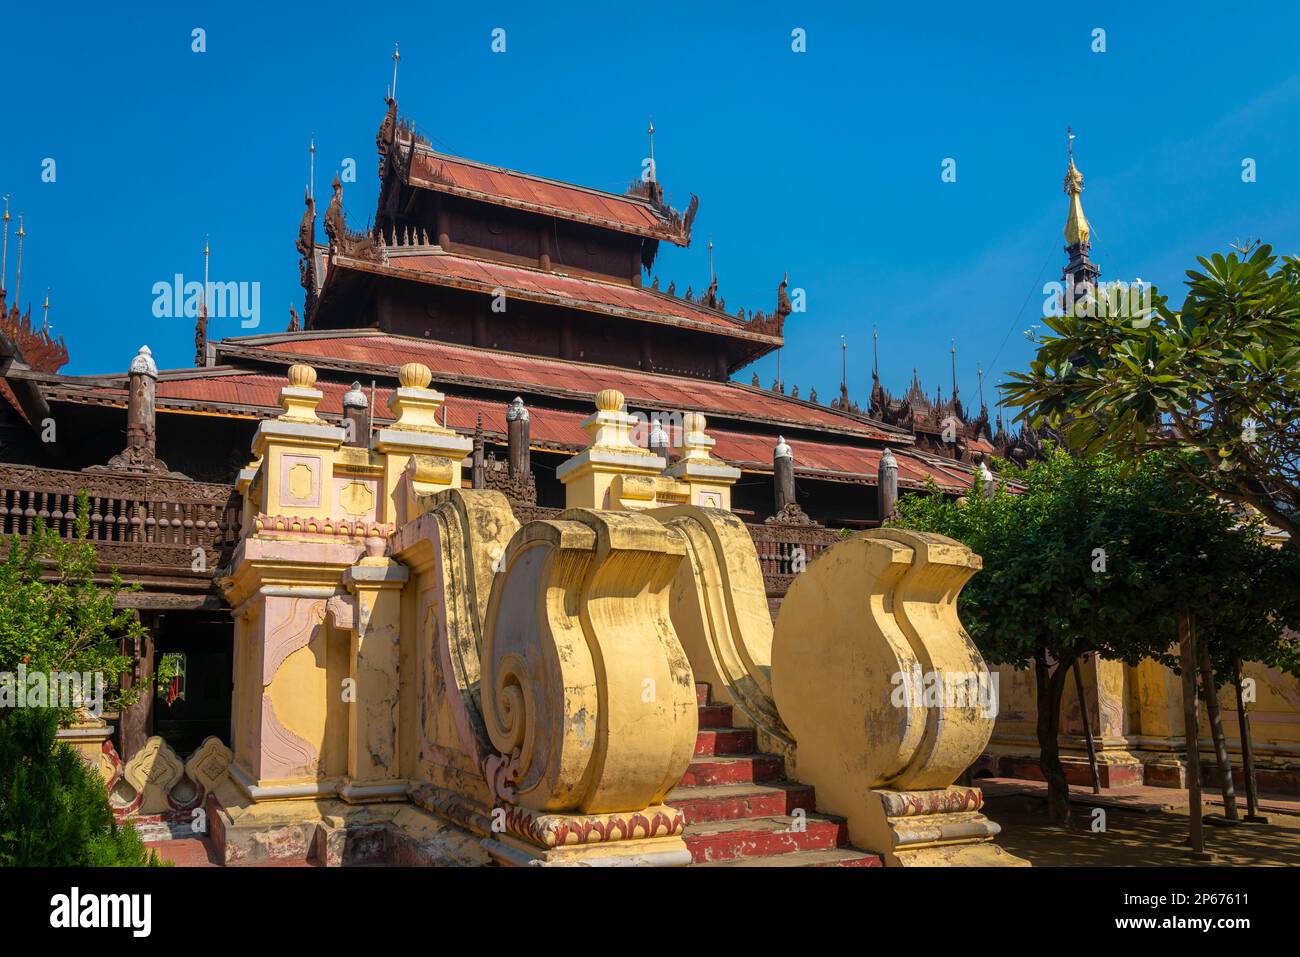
pixel 875 354
pixel 45 322
pixel 654 175
pixel 711 274
pixel 311 167
pixel 979 374
pixel 18 281
pixel 844 373
pixel 4 257
pixel 392 92
pixel 1077 231
pixel 954 370
pixel 201 324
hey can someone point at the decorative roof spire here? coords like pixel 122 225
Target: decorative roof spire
pixel 18 282
pixel 875 355
pixel 654 176
pixel 311 168
pixel 1080 272
pixel 1077 231
pixel 4 257
pixel 201 324
pixel 45 321
pixel 954 370
pixel 392 91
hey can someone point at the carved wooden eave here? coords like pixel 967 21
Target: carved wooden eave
pixel 251 352
pixel 35 346
pixel 391 266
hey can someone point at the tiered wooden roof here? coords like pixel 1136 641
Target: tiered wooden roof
pixel 479 383
pixel 457 176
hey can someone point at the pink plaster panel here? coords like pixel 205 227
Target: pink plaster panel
pixel 291 624
pixel 283 754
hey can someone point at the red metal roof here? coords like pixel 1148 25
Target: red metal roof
pixel 556 427
pixel 520 371
pixel 453 174
pixel 556 289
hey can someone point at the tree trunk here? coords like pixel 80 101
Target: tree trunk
pixel 1247 751
pixel 1216 731
pixel 1087 726
pixel 1051 685
pixel 1187 664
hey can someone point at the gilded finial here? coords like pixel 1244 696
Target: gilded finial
pixel 1077 231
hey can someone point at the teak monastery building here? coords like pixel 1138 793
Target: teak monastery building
pixel 346 504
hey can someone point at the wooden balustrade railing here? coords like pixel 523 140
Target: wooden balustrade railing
pixel 783 550
pixel 786 550
pixel 136 522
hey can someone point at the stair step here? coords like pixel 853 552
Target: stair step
pixel 701 693
pixel 715 716
pixel 731 802
pixel 835 857
pixel 711 741
pixel 763 836
pixel 708 770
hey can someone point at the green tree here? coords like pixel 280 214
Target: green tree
pixel 1090 556
pixel 1218 380
pixel 55 616
pixel 53 810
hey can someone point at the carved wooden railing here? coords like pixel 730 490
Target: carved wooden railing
pixel 136 522
pixel 783 550
pixel 786 550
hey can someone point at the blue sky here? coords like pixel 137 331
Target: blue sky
pixel 825 163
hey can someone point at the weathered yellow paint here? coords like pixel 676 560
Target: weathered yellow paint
pixel 872 610
pixel 423 666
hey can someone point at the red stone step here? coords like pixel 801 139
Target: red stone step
pixel 732 802
pixel 836 857
pixel 707 770
pixel 715 716
pixel 764 836
pixel 724 741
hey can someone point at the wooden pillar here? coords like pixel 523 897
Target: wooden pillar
pixel 140 400
pixel 444 226
pixel 519 461
pixel 356 417
pixel 478 464
pixel 480 329
pixel 887 485
pixel 647 354
pixel 544 247
pixel 659 442
pixel 566 338
pixel 783 474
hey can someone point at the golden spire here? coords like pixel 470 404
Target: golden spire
pixel 1076 226
pixel 45 324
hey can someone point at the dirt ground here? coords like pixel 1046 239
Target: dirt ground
pixel 1152 838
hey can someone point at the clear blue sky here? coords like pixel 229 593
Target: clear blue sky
pixel 826 163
